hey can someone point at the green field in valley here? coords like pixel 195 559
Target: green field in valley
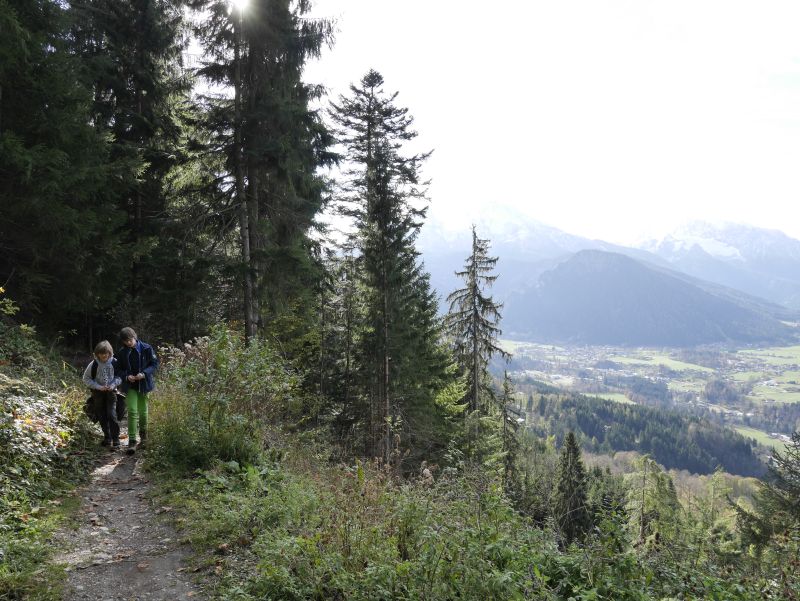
pixel 761 437
pixel 687 385
pixel 790 394
pixel 516 346
pixel 617 397
pixel 747 376
pixel 778 356
pixel 656 359
pixel 789 377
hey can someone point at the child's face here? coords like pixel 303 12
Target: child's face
pixel 130 343
pixel 103 357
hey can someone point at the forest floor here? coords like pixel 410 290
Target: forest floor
pixel 119 546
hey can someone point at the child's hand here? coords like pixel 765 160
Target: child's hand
pixel 132 378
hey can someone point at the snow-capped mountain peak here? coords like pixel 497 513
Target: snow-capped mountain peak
pixel 726 241
pixel 758 261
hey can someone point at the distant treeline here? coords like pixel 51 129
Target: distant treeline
pixel 775 417
pixel 641 390
pixel 673 440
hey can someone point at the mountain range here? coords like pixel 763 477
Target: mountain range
pixel 702 284
pixel 761 262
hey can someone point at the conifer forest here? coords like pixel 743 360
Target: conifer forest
pixel 325 424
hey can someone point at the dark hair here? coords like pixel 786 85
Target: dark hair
pixel 103 347
pixel 127 334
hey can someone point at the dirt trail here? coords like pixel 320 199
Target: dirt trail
pixel 122 548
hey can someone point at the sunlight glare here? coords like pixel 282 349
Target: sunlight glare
pixel 239 5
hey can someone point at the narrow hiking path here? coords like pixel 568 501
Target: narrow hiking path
pixel 119 546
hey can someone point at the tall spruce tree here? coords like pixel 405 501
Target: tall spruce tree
pixel 58 250
pixel 775 519
pixel 779 495
pixel 570 509
pixel 272 141
pixel 472 322
pixel 192 287
pixel 133 57
pixel 401 364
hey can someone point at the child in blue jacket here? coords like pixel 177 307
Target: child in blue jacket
pixel 138 364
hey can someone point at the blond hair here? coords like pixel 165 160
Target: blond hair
pixel 104 348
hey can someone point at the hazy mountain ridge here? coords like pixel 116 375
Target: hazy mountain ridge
pixel 738 293
pixel 525 248
pixel 596 297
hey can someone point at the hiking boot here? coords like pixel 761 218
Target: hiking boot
pixel 105 442
pixel 115 444
pixel 142 438
pixel 131 446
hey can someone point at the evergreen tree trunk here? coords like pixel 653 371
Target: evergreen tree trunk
pixel 387 409
pixel 241 194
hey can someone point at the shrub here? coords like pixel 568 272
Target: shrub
pixel 215 397
pixel 36 426
pixel 19 347
pixel 43 441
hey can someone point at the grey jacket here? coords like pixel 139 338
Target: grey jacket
pixel 106 375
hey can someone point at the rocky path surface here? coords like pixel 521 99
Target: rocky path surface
pixel 120 548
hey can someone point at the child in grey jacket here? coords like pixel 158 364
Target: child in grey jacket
pixel 102 376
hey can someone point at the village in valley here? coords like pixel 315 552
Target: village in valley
pixel 755 391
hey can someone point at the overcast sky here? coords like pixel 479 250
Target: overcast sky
pixel 612 119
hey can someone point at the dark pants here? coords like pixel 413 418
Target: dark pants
pixel 105 406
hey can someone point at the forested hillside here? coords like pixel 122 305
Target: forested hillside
pixel 674 440
pixel 318 430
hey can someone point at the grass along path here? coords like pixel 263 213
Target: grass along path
pixel 118 546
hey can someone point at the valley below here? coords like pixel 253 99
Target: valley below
pixel 754 391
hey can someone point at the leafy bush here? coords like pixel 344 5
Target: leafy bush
pixel 301 528
pixel 18 345
pixel 36 426
pixel 214 397
pixel 43 441
pixel 40 432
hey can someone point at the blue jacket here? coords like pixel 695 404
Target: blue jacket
pixel 139 359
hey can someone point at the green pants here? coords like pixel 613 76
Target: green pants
pixel 137 413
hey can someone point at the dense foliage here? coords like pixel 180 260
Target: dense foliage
pixel 286 522
pixel 128 198
pixel 221 393
pixel 60 215
pixel 43 440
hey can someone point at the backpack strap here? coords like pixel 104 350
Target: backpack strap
pixel 94 368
